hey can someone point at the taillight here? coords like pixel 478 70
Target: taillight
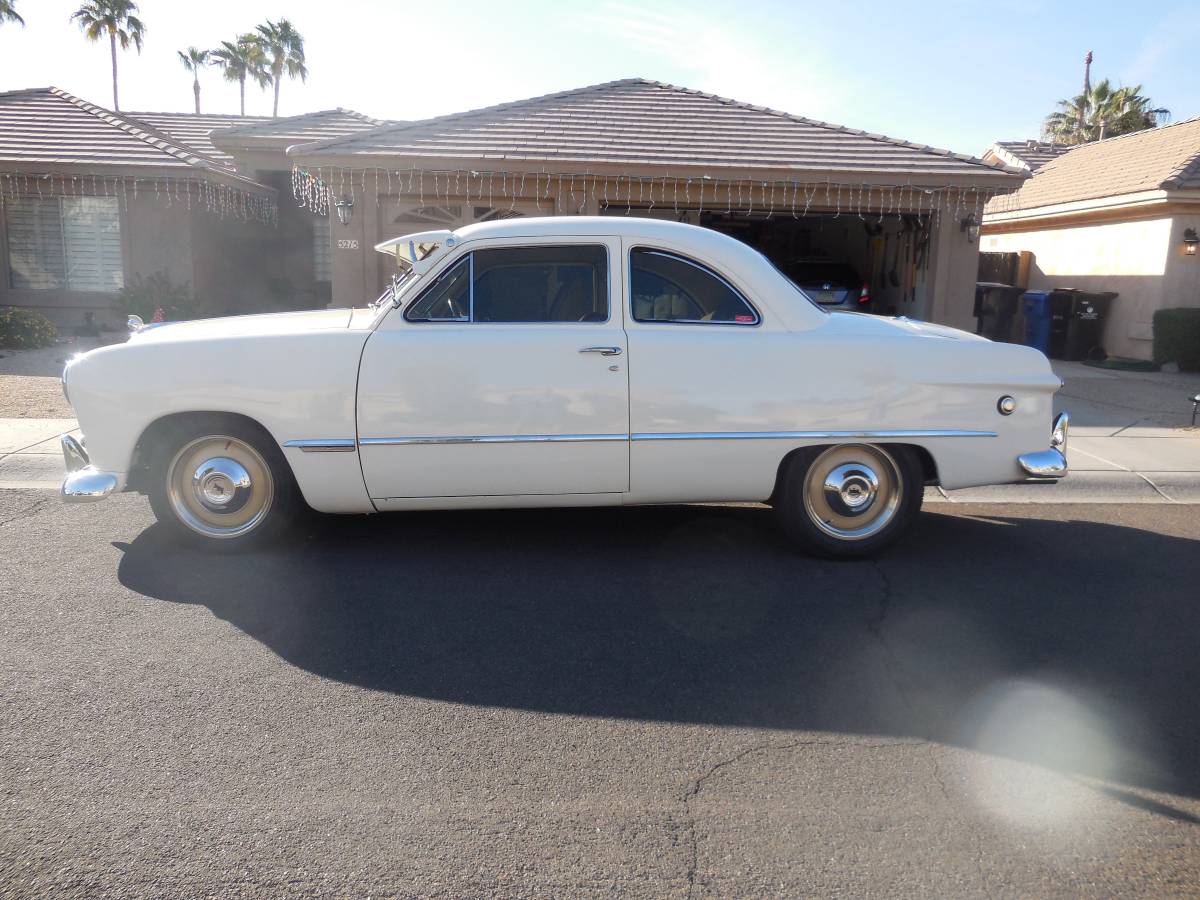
pixel 864 295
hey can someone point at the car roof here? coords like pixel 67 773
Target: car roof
pixel 621 226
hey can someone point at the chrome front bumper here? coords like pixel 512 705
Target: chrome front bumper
pixel 83 484
pixel 1049 465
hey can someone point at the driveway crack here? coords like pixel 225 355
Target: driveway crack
pixel 25 513
pixel 698 784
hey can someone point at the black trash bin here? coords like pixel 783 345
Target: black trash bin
pixel 996 308
pixel 1085 325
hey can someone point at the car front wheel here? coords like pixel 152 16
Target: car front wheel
pixel 223 484
pixel 851 500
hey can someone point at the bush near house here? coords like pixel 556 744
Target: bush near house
pixel 23 329
pixel 1177 338
pixel 145 295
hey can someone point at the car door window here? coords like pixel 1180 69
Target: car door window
pixel 541 284
pixel 520 284
pixel 667 287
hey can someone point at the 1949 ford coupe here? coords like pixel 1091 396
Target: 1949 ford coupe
pixel 560 362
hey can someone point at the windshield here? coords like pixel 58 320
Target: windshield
pixel 394 289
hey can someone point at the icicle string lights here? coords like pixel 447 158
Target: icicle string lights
pixel 219 199
pixel 318 188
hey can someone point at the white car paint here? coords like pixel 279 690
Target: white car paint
pixel 445 415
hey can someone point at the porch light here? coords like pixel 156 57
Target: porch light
pixel 1190 240
pixel 345 209
pixel 970 225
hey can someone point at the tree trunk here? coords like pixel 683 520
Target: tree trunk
pixel 112 43
pixel 242 92
pixel 196 91
pixel 275 111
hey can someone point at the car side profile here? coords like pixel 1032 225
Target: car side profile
pixel 541 362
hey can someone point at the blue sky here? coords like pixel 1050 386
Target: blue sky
pixel 951 73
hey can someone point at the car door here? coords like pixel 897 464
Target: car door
pixel 505 376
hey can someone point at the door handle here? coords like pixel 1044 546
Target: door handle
pixel 603 351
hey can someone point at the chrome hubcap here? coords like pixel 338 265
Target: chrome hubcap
pixel 853 491
pixel 220 486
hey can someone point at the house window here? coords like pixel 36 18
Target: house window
pixel 64 243
pixel 322 253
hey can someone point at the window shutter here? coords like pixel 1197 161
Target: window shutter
pixel 35 244
pixel 92 235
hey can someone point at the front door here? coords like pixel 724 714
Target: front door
pixel 506 375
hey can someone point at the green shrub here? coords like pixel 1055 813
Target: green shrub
pixel 21 329
pixel 144 295
pixel 1177 338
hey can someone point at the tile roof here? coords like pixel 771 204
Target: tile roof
pixel 193 130
pixel 326 124
pixel 639 122
pixel 48 129
pixel 1165 158
pixel 1030 155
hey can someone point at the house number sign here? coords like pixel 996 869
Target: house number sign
pixel 347 244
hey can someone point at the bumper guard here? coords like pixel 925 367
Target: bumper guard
pixel 83 484
pixel 1051 464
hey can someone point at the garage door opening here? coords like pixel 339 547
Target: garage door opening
pixel 839 259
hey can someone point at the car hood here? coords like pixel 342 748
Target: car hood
pixel 264 324
pixel 867 325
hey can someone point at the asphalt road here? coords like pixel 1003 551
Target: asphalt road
pixel 639 702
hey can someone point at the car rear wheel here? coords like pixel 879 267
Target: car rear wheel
pixel 851 500
pixel 222 483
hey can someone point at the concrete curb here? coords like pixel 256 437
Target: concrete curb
pixel 1084 487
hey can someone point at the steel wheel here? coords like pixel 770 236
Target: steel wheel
pixel 853 491
pixel 220 486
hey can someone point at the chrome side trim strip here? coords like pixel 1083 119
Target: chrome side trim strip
pixel 658 436
pixel 331 445
pixel 805 435
pixel 492 439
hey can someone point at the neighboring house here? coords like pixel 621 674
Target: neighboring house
pixel 90 199
pixel 1112 216
pixel 902 214
pixel 1028 155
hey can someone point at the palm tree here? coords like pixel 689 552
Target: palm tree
pixel 1103 111
pixel 8 12
pixel 284 48
pixel 194 60
pixel 242 59
pixel 116 19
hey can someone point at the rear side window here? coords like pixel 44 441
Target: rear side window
pixel 671 288
pixel 520 284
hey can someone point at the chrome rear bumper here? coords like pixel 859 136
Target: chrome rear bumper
pixel 83 484
pixel 1049 465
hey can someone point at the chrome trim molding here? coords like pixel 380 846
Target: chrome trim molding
pixel 491 439
pixel 1044 465
pixel 805 435
pixel 332 445
pixel 87 485
pixel 665 436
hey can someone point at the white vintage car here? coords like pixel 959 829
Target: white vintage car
pixel 560 362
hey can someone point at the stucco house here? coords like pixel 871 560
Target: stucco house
pixel 1120 215
pixel 325 187
pixel 904 215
